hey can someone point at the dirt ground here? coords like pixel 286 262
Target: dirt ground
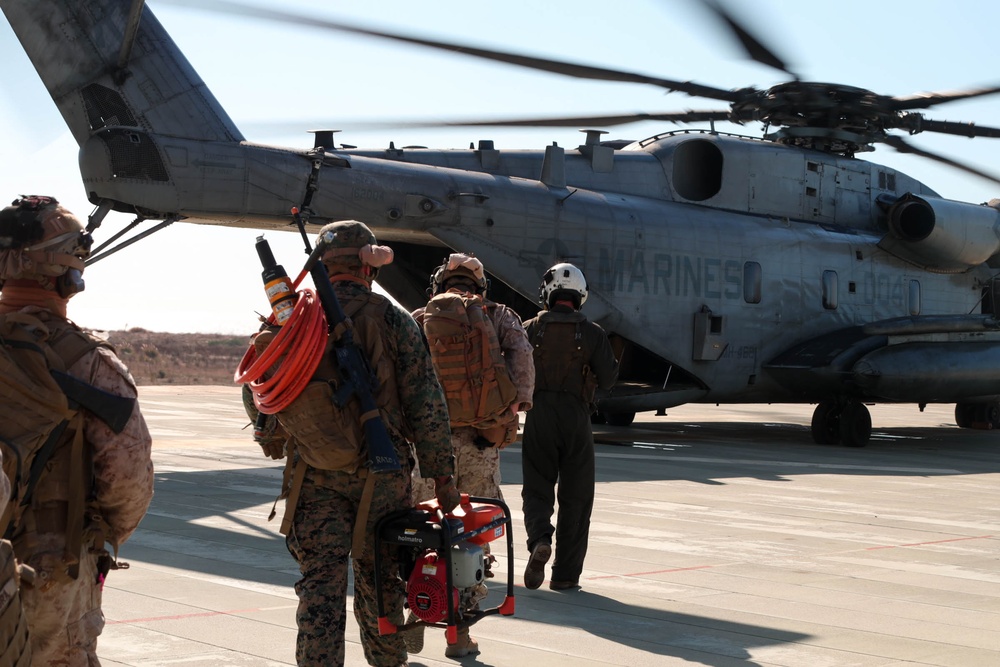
pixel 179 359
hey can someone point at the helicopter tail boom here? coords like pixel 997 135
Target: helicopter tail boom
pixel 111 64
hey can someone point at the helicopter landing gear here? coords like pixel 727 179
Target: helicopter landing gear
pixel 978 415
pixel 826 423
pixel 855 424
pixel 836 422
pixel 965 414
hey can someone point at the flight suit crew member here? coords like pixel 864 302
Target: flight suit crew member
pixel 42 248
pixel 477 452
pixel 572 358
pixel 323 523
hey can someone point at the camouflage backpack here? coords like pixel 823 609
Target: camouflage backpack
pixel 327 426
pixel 468 359
pixel 42 406
pixel 36 412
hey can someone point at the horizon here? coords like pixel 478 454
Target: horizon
pixel 206 279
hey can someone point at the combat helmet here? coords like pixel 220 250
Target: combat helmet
pixel 563 282
pixel 350 247
pixel 42 241
pixel 459 265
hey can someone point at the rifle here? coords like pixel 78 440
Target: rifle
pixel 356 378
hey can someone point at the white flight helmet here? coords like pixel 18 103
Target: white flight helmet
pixel 563 281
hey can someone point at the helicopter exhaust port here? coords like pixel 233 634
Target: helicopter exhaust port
pixel 938 234
pixel 912 220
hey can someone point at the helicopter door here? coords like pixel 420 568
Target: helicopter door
pixel 818 202
pixel 850 192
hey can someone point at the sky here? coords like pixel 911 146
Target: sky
pixel 277 81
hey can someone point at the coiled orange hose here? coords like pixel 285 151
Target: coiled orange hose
pixel 302 341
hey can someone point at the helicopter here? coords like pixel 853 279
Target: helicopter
pixel 727 268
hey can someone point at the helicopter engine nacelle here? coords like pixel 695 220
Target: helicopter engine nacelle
pixel 941 235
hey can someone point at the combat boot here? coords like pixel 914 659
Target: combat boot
pixel 413 638
pixel 465 645
pixel 534 573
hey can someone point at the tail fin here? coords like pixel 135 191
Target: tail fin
pixel 109 63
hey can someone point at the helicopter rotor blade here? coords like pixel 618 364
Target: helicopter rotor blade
pixel 903 147
pixel 925 100
pixel 530 62
pixel 917 123
pixel 753 47
pixel 575 121
pixel 571 121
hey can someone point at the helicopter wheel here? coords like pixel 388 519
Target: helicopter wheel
pixel 855 425
pixel 620 418
pixel 826 423
pixel 993 414
pixel 965 414
pixel 986 415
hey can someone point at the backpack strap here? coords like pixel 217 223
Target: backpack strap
pixel 364 509
pixel 294 474
pixel 77 501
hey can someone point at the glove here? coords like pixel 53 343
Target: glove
pixel 446 493
pixel 273 447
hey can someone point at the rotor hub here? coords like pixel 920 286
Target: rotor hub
pixel 824 116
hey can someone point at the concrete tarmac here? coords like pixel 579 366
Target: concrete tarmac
pixel 720 536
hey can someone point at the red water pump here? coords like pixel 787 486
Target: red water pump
pixel 443 562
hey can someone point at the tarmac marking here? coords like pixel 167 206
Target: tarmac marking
pixel 178 617
pixel 787 464
pixel 705 567
pixel 921 544
pixel 646 574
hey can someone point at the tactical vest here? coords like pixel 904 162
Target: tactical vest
pixel 47 511
pixel 468 359
pixel 45 458
pixel 331 437
pixel 562 358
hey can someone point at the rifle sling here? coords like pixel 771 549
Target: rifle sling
pixel 115 411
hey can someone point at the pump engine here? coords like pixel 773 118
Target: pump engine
pixel 443 562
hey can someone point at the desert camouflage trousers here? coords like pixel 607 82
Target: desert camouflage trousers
pixel 64 615
pixel 320 541
pixel 477 471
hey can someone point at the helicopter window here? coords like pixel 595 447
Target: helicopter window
pixel 915 297
pixel 830 290
pixel 810 192
pixel 751 282
pixel 812 166
pixel 697 171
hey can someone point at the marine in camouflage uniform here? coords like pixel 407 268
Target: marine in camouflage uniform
pixel 41 250
pixel 323 523
pixel 572 357
pixel 477 452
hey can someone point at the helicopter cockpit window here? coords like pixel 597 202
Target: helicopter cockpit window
pixel 830 290
pixel 751 282
pixel 697 170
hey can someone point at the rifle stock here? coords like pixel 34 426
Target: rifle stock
pixel 357 378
